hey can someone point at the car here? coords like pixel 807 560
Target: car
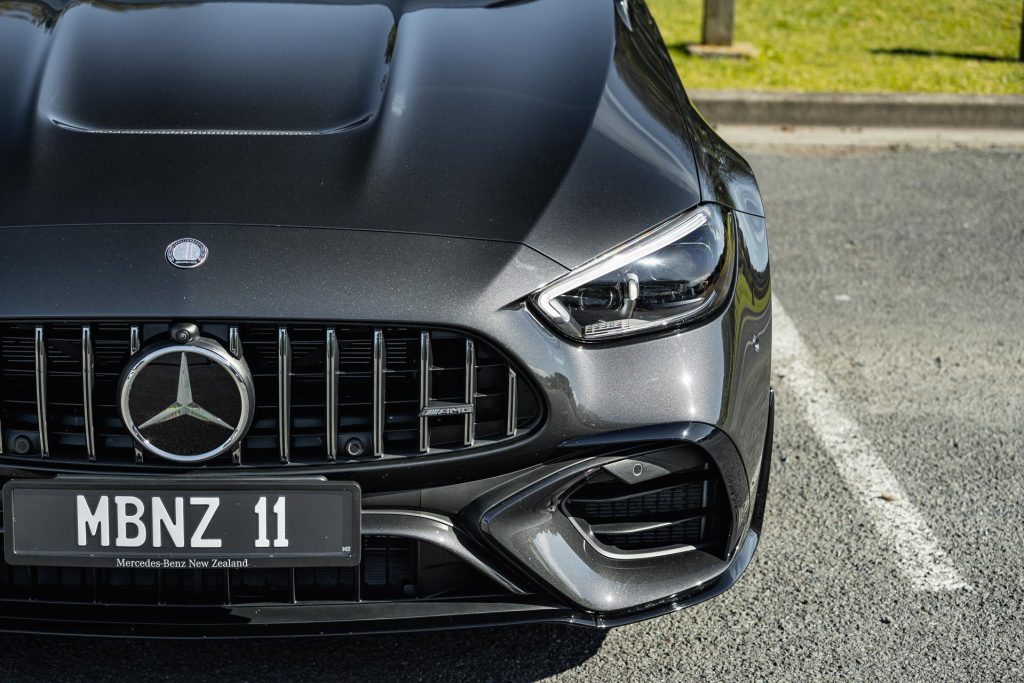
pixel 334 317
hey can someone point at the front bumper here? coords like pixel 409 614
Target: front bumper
pixel 658 586
pixel 556 578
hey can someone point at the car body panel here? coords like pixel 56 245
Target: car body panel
pixel 497 122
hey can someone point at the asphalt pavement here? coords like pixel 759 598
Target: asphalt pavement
pixel 902 272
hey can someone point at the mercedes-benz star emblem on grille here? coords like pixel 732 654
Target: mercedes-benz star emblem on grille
pixel 184 406
pixel 187 402
pixel 186 253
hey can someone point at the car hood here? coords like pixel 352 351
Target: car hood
pixel 540 122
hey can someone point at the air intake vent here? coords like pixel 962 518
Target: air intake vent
pixel 673 512
pixel 324 392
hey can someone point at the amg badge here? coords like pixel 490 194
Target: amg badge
pixel 442 410
pixel 187 402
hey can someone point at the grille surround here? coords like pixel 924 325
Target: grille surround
pixel 377 397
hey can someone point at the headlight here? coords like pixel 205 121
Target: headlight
pixel 669 275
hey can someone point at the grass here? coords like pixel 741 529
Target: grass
pixel 947 46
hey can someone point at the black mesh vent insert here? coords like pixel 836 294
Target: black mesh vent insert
pixel 679 510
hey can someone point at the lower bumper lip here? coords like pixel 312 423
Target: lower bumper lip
pixel 261 621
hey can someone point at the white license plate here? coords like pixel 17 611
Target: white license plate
pixel 195 524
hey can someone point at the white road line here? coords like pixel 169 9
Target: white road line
pixel 867 476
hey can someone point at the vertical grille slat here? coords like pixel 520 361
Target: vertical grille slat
pixel 234 342
pixel 379 407
pixel 331 398
pixel 88 384
pixel 134 340
pixel 41 404
pixel 426 368
pixel 235 349
pixel 325 392
pixel 3 388
pixel 511 419
pixel 469 420
pixel 284 394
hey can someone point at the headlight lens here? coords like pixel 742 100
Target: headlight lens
pixel 671 274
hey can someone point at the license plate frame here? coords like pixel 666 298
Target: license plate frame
pixel 334 542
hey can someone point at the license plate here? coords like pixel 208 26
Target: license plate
pixel 181 525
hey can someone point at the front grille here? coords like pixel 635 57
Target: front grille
pixel 392 569
pixel 681 510
pixel 324 393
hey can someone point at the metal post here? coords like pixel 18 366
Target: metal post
pixel 718 22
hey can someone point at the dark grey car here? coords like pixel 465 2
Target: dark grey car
pixel 343 316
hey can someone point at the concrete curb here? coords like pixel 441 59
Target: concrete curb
pixel 855 109
pixel 864 139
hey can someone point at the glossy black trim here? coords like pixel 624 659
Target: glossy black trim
pixel 256 621
pixel 757 514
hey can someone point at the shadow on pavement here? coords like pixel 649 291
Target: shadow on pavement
pixel 510 654
pixel 913 52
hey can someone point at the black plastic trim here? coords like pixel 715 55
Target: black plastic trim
pixel 262 621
